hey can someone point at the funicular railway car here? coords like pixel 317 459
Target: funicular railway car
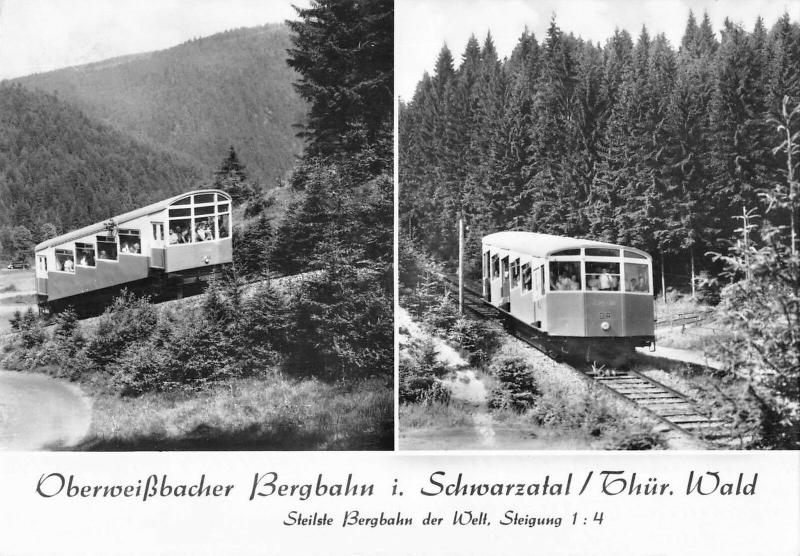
pixel 166 250
pixel 590 297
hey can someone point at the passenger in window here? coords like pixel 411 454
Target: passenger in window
pixel 69 266
pixel 605 279
pixel 592 282
pixel 641 285
pixel 137 249
pixel 84 260
pixel 573 283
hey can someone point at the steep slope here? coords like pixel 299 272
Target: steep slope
pixel 57 165
pixel 198 98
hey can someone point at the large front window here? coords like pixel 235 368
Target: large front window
pixel 637 277
pixel 602 276
pixel 202 217
pixel 565 275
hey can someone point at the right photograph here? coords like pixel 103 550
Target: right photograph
pixel 598 213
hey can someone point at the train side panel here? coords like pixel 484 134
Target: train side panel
pixel 639 315
pixel 107 273
pixel 193 255
pixel 565 314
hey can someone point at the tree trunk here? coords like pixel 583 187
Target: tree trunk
pixel 691 258
pixel 663 282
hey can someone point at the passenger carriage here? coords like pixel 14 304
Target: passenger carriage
pixel 571 289
pixel 164 249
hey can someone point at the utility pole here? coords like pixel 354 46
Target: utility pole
pixel 461 265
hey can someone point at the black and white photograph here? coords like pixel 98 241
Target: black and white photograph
pixel 196 225
pixel 598 225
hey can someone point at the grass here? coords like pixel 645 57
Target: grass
pixel 22 299
pixel 436 414
pixel 8 288
pixel 275 413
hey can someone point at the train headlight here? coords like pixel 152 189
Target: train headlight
pixel 605 326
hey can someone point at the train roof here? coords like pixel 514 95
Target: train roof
pixel 542 245
pixel 120 219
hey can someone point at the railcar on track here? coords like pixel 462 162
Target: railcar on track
pixel 590 297
pixel 167 249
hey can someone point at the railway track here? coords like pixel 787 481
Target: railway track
pixel 672 409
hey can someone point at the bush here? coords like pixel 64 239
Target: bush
pixel 517 387
pixel 31 330
pixel 420 375
pixel 480 339
pixel 127 321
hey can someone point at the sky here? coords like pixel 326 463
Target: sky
pixel 423 26
pixel 42 35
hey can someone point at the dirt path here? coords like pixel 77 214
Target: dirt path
pixel 38 412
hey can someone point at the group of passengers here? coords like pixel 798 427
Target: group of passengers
pixel 566 282
pixel 203 231
pixel 132 248
pixel 603 281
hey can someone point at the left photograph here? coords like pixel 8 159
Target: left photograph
pixel 196 225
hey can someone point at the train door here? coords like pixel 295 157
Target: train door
pixel 505 286
pixel 487 276
pixel 538 295
pixel 157 249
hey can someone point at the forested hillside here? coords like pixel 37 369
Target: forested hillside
pixel 199 98
pixel 637 141
pixel 60 169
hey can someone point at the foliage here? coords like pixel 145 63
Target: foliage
pixel 420 375
pixel 31 330
pixel 761 308
pixel 194 99
pixel 56 155
pixel 127 321
pixel 343 51
pixel 231 177
pixel 479 338
pixel 629 142
pixel 341 326
pixel 516 387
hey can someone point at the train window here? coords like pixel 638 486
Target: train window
pixel 177 213
pixel 602 276
pixel 637 278
pixel 222 208
pixel 224 225
pixel 565 275
pixel 184 201
pixel 515 273
pixel 43 263
pixel 633 255
pixel 204 210
pixel 600 252
pixel 85 253
pixel 129 242
pixel 106 248
pixel 204 198
pixel 204 229
pixel 65 260
pixel 158 231
pixel 567 253
pixel 541 278
pixel 526 278
pixel 180 231
pixel 495 266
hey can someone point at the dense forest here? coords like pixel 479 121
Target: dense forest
pixel 60 169
pixel 637 141
pixel 198 98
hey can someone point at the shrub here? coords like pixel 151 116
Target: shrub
pixel 32 333
pixel 420 375
pixel 480 339
pixel 517 387
pixel 126 322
